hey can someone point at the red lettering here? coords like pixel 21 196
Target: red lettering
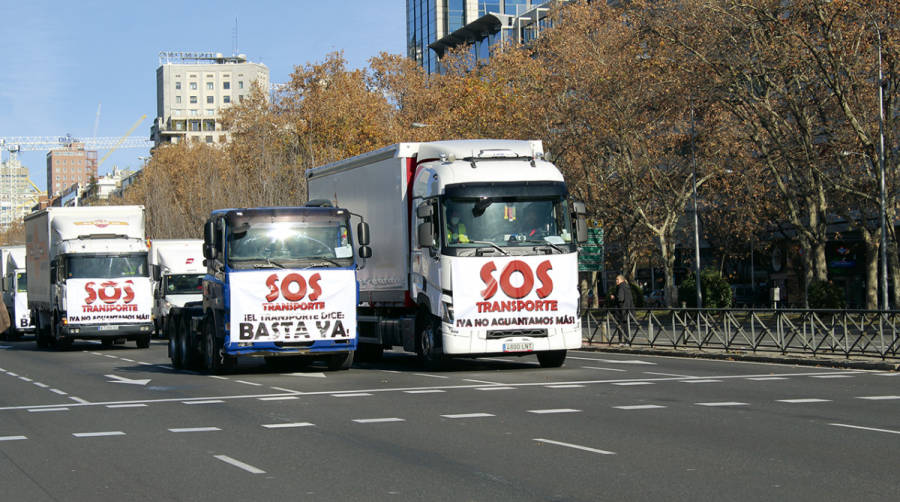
pixel 92 295
pixel 286 287
pixel 486 270
pixel 129 291
pixel 109 298
pixel 273 288
pixel 546 282
pixel 314 285
pixel 527 279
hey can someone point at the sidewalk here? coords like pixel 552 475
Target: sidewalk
pixel 853 362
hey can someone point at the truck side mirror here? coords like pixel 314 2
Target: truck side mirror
pixel 365 252
pixel 362 234
pixel 581 233
pixel 156 272
pixel 209 239
pixel 425 210
pixel 5 284
pixel 578 208
pixel 425 235
pixel 53 272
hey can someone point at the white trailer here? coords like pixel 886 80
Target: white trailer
pixel 178 270
pixel 88 275
pixel 15 290
pixel 454 271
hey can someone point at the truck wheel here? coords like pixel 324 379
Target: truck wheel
pixel 212 358
pixel 175 353
pixel 338 362
pixel 143 341
pixel 107 342
pixel 185 350
pixel 551 358
pixel 428 341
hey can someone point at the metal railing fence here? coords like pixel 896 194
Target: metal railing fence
pixel 846 333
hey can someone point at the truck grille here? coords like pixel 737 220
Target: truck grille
pixel 496 334
pixel 293 344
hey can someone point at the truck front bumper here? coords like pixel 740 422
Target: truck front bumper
pixel 475 342
pixel 99 331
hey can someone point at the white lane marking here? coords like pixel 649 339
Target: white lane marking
pixel 888 374
pixel 564 386
pixel 766 379
pixel 670 374
pixel 804 400
pixel 390 371
pixel 110 356
pixel 3 370
pixel 639 407
pixel 25 379
pixel 352 394
pixel 12 438
pixel 309 375
pixel 879 398
pixel 282 389
pixel 722 403
pixel 195 429
pixel 874 429
pixel 99 354
pixel 135 405
pixel 577 447
pixel 832 376
pixel 142 363
pixel 120 379
pixel 632 383
pixel 625 361
pixel 208 401
pixel 430 376
pixel 10 373
pixel 499 387
pixel 97 434
pixel 217 377
pixel 556 410
pixel 468 415
pixel 482 381
pixel 287 426
pixel 604 369
pixel 79 400
pixel 128 360
pixel 39 410
pixel 702 380
pixel 254 383
pixel 240 465
pixel 61 393
pixel 377 420
pixel 427 391
pixel 278 398
pixel 41 385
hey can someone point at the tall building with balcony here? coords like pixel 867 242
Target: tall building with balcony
pixel 192 89
pixel 70 165
pixel 430 21
pixel 17 192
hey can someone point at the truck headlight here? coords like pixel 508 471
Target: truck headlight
pixel 447 314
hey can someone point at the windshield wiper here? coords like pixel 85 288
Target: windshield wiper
pixel 269 263
pixel 329 260
pixel 498 248
pixel 545 243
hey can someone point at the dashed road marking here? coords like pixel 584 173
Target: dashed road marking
pixel 702 380
pixel 482 381
pixel 208 401
pixel 97 434
pixel 12 438
pixel 879 398
pixel 240 465
pixel 722 403
pixel 565 386
pixel 554 410
pixel 632 383
pixel 430 376
pixel 468 415
pixel 352 394
pixel 873 429
pixel 676 375
pixel 57 391
pixel 25 379
pixel 39 410
pixel 603 369
pixel 377 420
pixel 639 407
pixel 832 376
pixel 79 400
pixel 426 391
pixel 217 377
pixel 133 405
pixel 575 446
pixel 41 385
pixel 279 398
pixel 804 400
pixel 765 379
pixel 249 383
pixel 288 425
pixel 195 429
pixel 499 387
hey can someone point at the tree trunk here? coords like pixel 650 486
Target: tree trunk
pixel 667 250
pixel 872 248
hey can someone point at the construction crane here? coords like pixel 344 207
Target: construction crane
pixel 121 140
pixel 15 144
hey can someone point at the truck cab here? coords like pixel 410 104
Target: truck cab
pixel 280 282
pixel 178 271
pixel 15 291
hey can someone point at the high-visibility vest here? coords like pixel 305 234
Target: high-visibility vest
pixel 459 235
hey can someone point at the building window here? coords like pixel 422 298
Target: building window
pixel 210 100
pixel 209 139
pixel 195 112
pixel 177 86
pixel 240 84
pixel 193 86
pixel 226 85
pixel 210 86
pixel 178 100
pixel 195 125
pixel 226 99
pixel 193 100
pixel 210 112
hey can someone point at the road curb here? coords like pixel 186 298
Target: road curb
pixel 867 364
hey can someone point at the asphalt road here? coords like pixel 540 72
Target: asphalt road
pixel 92 423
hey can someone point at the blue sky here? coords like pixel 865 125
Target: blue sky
pixel 60 60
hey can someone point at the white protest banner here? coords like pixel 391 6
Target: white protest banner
pixel 108 301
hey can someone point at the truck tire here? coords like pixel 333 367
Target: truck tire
pixel 340 362
pixel 212 357
pixel 428 341
pixel 551 358
pixel 185 351
pixel 143 341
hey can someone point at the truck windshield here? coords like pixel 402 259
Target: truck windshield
pixel 184 284
pixel 506 221
pixel 22 282
pixel 280 244
pixel 105 266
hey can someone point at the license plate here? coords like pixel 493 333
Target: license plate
pixel 518 347
pixel 108 328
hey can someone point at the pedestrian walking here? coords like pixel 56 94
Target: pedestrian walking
pixel 623 303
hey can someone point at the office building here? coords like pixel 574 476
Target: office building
pixel 69 165
pixel 431 21
pixel 17 192
pixel 192 89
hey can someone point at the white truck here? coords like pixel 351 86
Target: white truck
pixel 88 275
pixel 15 290
pixel 177 269
pixel 474 249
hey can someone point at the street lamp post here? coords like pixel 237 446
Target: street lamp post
pixel 696 221
pixel 884 276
